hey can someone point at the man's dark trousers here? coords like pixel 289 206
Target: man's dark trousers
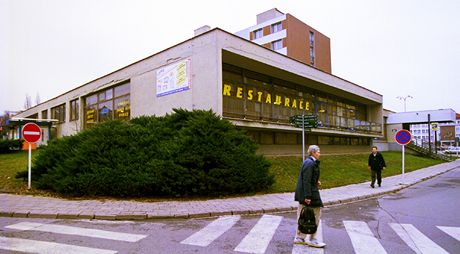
pixel 376 174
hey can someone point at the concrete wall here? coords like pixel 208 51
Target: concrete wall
pixel 296 150
pixel 205 92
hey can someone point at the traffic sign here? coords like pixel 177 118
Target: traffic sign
pixel 306 121
pixel 31 132
pixel 434 126
pixel 403 137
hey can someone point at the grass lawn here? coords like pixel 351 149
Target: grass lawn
pixel 336 170
pixel 10 164
pixel 339 170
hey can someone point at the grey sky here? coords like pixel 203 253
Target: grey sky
pixel 395 48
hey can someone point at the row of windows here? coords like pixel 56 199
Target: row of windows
pixel 282 138
pixel 249 95
pixel 274 28
pixel 111 103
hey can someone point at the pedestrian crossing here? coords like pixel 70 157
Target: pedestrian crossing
pixel 261 233
pixel 360 234
pixel 45 247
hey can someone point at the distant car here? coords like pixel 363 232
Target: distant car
pixel 453 149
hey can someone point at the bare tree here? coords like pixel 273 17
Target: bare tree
pixel 28 102
pixel 37 99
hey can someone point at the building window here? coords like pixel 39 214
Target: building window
pixel 45 114
pixel 74 109
pixel 111 103
pixel 257 34
pixel 278 44
pixel 274 28
pixel 312 56
pixel 312 48
pixel 58 113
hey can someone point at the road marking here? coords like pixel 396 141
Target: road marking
pixel 415 239
pixel 300 248
pixel 67 230
pixel 257 240
pixel 452 231
pixel 362 238
pixel 212 231
pixel 41 247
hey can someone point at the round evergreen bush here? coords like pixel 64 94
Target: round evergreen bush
pixel 182 154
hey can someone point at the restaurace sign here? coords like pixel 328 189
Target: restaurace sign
pixel 265 97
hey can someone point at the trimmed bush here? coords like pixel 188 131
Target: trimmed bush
pixel 183 154
pixel 10 145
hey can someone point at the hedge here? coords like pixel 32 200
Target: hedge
pixel 182 154
pixel 10 145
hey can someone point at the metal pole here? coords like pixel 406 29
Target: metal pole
pixel 29 167
pixel 303 138
pixel 436 142
pixel 403 163
pixel 429 134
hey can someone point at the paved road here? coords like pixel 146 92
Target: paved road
pixel 421 219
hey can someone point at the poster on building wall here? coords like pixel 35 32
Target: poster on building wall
pixel 173 78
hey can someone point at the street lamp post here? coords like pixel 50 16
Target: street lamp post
pixel 404 99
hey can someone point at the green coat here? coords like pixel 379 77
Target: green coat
pixel 307 183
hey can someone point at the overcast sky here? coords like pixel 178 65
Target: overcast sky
pixel 393 47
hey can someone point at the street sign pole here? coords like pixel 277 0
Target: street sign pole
pixel 403 137
pixel 403 152
pixel 31 133
pixel 29 170
pixel 303 138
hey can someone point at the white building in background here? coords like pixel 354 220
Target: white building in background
pixel 444 135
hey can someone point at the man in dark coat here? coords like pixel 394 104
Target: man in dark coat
pixel 376 163
pixel 307 194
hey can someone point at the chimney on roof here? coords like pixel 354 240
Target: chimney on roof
pixel 270 14
pixel 202 30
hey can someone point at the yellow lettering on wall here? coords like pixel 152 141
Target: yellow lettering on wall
pixel 307 105
pixel 227 89
pixel 239 92
pixel 250 94
pixel 259 98
pixel 268 99
pixel 277 100
pixel 301 104
pixel 287 102
pixel 294 103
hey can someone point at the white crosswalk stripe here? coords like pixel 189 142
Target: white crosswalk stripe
pixel 260 235
pixel 454 232
pixel 41 247
pixel 362 238
pixel 68 230
pixel 299 248
pixel 212 231
pixel 416 240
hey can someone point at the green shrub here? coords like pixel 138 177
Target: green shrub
pixel 182 154
pixel 10 145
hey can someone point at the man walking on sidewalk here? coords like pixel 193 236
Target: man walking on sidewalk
pixel 376 163
pixel 307 194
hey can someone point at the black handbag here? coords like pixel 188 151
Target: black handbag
pixel 307 221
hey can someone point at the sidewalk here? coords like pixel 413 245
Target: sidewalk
pixel 44 207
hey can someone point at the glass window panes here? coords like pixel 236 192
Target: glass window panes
pixel 276 27
pixel 122 90
pixel 278 44
pixel 111 103
pixel 257 34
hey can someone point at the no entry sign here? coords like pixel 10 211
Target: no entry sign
pixel 403 137
pixel 31 132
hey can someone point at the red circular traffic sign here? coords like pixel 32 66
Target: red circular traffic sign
pixel 31 132
pixel 403 137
